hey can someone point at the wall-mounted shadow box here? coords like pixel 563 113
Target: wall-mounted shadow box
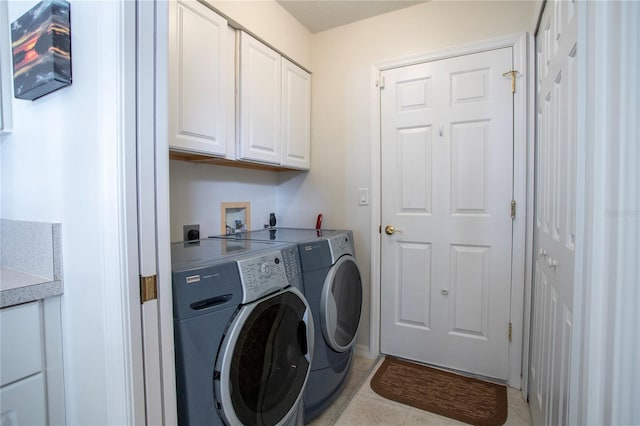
pixel 41 47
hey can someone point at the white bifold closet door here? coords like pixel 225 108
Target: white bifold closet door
pixel 555 225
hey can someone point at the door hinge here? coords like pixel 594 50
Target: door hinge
pixel 148 288
pixel 510 332
pixel 380 83
pixel 513 74
pixel 513 209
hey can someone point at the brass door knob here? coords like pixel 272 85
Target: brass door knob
pixel 390 230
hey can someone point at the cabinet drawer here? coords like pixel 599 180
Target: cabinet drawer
pixel 21 342
pixel 23 403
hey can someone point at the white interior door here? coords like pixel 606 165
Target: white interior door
pixel 447 186
pixel 555 226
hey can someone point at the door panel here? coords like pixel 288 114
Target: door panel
pixel 296 116
pixel 415 285
pixel 447 171
pixel 469 291
pixel 469 146
pixel 415 164
pixel 554 233
pixel 260 101
pixel 198 78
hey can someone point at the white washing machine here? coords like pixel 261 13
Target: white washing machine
pixel 243 334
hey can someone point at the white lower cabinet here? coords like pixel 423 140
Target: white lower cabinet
pixel 24 402
pixel 22 395
pixel 21 348
pixel 31 374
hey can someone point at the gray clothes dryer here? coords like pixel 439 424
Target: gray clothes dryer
pixel 243 335
pixel 333 288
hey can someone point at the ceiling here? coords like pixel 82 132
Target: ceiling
pixel 321 15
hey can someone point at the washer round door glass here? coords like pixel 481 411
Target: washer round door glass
pixel 270 360
pixel 341 304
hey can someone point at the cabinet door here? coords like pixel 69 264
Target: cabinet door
pixel 296 115
pixel 231 86
pixel 24 403
pixel 198 68
pixel 20 342
pixel 260 81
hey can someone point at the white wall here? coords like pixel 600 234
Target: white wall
pixel 57 166
pixel 342 63
pixel 198 189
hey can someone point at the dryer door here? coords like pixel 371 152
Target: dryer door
pixel 341 304
pixel 265 360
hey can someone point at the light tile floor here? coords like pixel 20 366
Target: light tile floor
pixel 359 405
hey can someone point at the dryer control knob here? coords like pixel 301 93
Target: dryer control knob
pixel 266 270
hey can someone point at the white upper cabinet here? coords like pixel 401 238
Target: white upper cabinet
pixel 296 116
pixel 260 99
pixel 199 67
pixel 232 96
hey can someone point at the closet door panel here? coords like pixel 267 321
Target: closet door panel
pixel 552 324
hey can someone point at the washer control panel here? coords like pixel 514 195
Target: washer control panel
pixel 292 266
pixel 261 275
pixel 340 245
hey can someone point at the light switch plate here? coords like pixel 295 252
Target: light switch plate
pixel 363 196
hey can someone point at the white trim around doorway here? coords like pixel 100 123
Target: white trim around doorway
pixel 523 190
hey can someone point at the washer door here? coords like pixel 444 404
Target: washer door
pixel 265 360
pixel 341 304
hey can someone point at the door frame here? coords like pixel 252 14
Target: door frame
pixel 522 245
pixel 125 355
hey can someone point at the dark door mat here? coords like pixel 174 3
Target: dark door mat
pixel 458 397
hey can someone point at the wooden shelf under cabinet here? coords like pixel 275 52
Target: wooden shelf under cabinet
pixel 203 159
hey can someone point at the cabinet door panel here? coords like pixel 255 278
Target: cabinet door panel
pixel 21 348
pixel 260 98
pixel 296 116
pixel 198 72
pixel 23 403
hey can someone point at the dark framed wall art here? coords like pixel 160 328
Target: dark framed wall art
pixel 41 47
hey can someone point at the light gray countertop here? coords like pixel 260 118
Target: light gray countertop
pixel 31 261
pixel 19 287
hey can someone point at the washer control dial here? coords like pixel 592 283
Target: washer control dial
pixel 262 275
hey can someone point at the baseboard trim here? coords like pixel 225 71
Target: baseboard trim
pixel 363 351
